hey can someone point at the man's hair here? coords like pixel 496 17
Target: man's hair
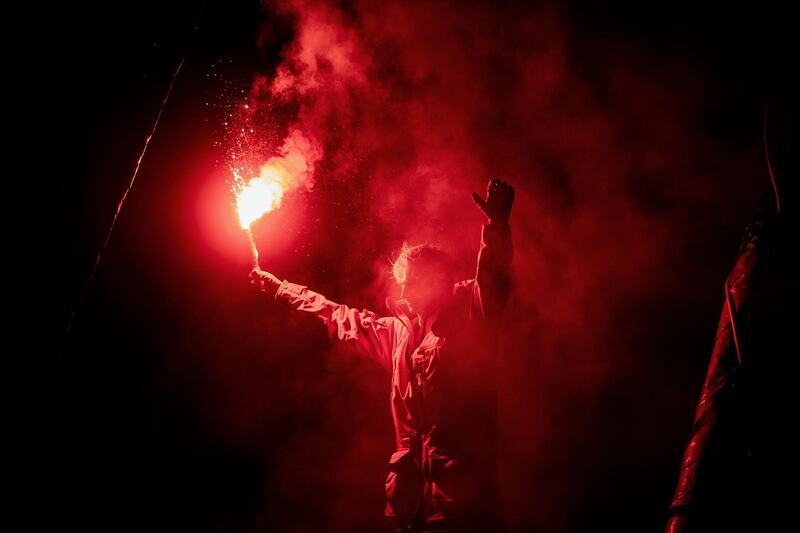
pixel 420 254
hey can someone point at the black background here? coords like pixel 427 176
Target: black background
pixel 132 445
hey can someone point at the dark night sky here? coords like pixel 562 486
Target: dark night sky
pixel 185 402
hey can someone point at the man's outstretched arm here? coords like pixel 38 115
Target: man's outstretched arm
pixel 494 258
pixel 365 329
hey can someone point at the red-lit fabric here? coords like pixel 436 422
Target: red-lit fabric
pixel 443 396
pixel 372 334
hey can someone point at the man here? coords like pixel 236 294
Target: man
pixel 439 344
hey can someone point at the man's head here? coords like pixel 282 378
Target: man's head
pixel 426 276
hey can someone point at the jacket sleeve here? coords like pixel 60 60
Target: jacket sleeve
pixel 494 269
pixel 372 334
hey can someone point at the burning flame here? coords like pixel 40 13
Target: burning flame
pixel 294 166
pixel 261 194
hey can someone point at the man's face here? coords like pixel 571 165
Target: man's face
pixel 427 288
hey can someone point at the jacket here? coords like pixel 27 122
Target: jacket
pixel 443 389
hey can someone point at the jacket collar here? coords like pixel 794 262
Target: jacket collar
pixel 399 307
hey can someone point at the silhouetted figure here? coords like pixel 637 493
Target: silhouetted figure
pixel 439 342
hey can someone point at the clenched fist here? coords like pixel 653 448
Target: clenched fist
pixel 261 279
pixel 497 204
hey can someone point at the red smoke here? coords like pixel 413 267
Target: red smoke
pixel 619 193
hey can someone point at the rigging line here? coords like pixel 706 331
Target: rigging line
pixel 769 163
pixel 74 313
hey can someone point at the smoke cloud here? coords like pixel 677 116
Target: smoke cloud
pixel 400 110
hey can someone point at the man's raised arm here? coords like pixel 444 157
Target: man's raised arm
pixel 372 334
pixel 494 259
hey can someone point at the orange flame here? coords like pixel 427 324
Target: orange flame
pixel 261 194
